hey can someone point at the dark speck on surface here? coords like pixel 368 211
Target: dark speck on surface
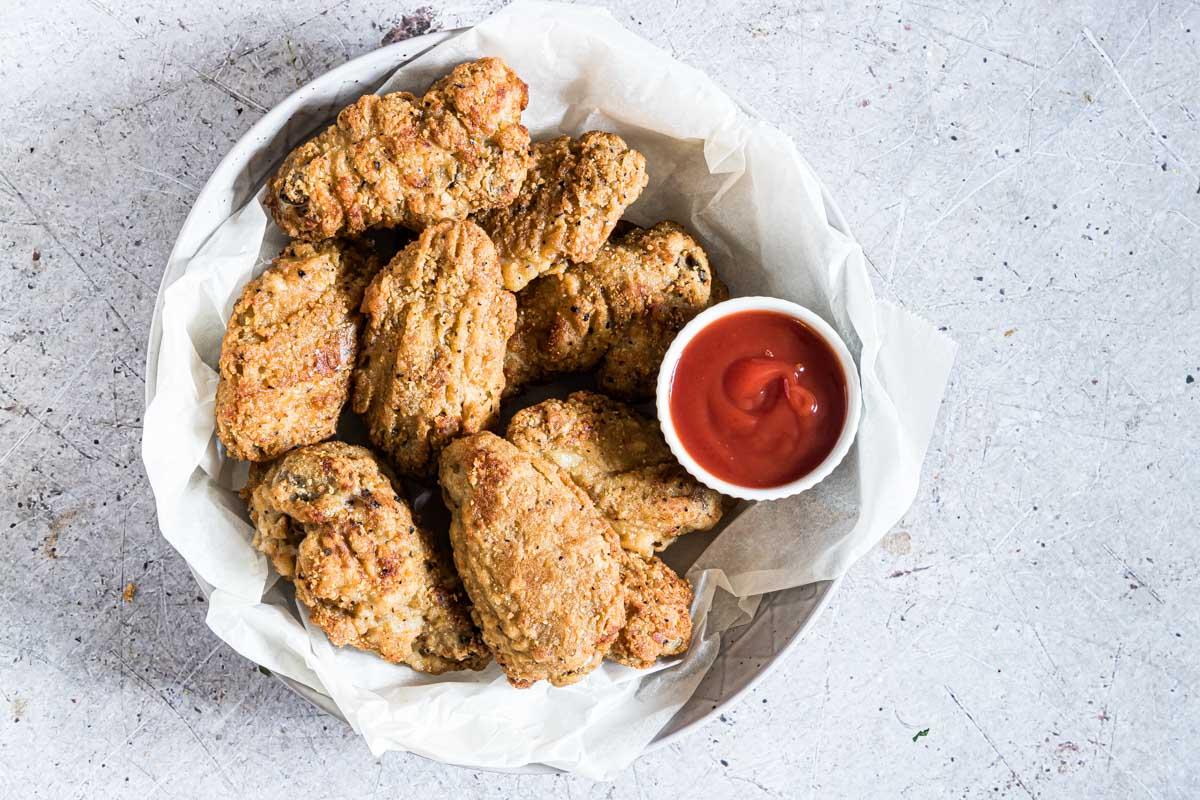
pixel 1190 379
pixel 418 22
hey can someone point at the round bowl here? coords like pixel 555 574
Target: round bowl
pixel 747 654
pixel 666 376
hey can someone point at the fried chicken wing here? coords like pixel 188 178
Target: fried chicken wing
pixel 328 517
pixel 575 192
pixel 397 159
pixel 619 312
pixel 288 352
pixel 658 621
pixel 431 365
pixel 620 459
pixel 541 565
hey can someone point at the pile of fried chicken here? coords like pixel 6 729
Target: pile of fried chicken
pixel 520 271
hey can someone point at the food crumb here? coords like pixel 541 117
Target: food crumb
pixel 898 544
pixel 129 592
pixel 1010 331
pixel 415 24
pixel 37 255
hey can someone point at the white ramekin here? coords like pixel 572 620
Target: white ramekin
pixel 666 374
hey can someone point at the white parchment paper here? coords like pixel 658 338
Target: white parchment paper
pixel 743 189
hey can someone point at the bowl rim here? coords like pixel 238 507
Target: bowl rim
pixel 805 315
pixel 394 56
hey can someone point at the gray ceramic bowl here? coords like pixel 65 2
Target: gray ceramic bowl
pixel 748 652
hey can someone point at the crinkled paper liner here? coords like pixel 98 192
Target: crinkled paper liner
pixel 743 189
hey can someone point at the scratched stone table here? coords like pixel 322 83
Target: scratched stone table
pixel 1023 174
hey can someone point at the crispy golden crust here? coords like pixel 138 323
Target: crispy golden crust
pixel 623 463
pixel 575 192
pixel 618 312
pixel 657 618
pixel 432 360
pixel 541 565
pixel 328 517
pixel 404 160
pixel 289 350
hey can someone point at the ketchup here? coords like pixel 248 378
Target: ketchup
pixel 758 398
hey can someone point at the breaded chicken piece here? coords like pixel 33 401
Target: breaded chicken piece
pixel 431 365
pixel 575 192
pixel 620 312
pixel 328 517
pixel 541 565
pixel 623 463
pixel 289 349
pixel 658 620
pixel 405 160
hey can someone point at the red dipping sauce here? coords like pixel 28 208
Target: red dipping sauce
pixel 758 398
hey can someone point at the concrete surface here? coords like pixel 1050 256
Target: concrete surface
pixel 1024 174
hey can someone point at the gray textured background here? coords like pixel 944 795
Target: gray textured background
pixel 1024 174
